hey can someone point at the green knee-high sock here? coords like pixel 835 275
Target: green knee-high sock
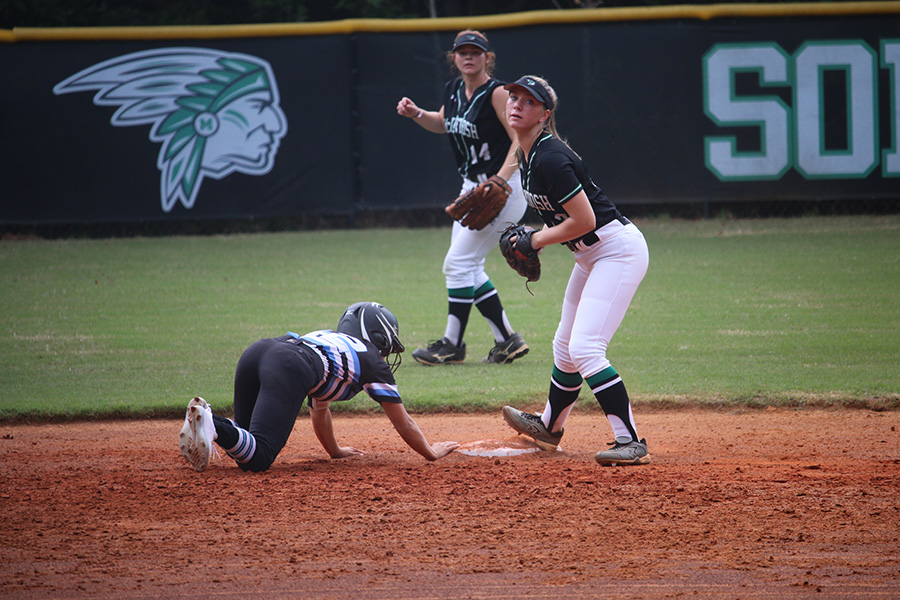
pixel 459 305
pixel 564 388
pixel 609 390
pixel 487 301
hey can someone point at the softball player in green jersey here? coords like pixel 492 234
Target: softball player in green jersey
pixel 472 115
pixel 611 259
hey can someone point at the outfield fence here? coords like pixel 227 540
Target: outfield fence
pixel 771 109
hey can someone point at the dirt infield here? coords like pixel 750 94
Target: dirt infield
pixel 736 504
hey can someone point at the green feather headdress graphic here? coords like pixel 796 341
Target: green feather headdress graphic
pixel 188 94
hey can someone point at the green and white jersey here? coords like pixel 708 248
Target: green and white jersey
pixel 480 142
pixel 552 174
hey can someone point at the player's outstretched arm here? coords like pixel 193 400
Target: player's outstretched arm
pixel 431 120
pixel 324 430
pixel 412 435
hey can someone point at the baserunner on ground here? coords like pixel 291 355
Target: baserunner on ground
pixel 275 375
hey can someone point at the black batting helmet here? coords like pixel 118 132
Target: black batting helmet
pixel 372 322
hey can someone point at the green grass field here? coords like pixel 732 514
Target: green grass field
pixel 732 312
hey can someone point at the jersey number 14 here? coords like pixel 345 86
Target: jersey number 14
pixel 483 154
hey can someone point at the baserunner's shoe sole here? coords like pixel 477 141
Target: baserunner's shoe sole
pixel 186 435
pixel 201 447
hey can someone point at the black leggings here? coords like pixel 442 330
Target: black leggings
pixel 271 382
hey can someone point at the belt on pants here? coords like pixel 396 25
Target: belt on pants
pixel 592 238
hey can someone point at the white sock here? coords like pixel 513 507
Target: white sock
pixel 244 450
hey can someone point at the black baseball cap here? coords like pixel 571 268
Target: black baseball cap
pixel 534 88
pixel 472 39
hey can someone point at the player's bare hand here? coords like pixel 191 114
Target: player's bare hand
pixel 442 449
pixel 346 451
pixel 407 108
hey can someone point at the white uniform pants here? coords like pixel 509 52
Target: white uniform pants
pixel 464 261
pixel 601 286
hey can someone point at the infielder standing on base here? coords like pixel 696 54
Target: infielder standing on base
pixel 611 258
pixel 473 117
pixel 275 375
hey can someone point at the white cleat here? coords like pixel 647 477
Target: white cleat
pixel 202 434
pixel 186 436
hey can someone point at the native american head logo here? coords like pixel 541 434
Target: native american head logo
pixel 214 112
